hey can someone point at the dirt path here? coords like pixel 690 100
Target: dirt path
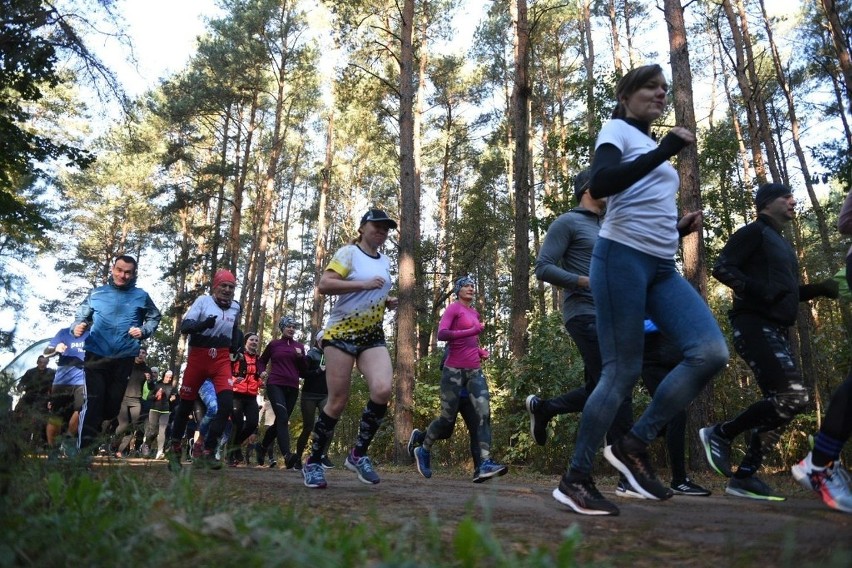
pixel 684 531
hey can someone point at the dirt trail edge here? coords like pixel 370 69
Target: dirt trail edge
pixel 683 531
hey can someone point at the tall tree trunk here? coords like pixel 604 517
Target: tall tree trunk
pixel 322 238
pixel 587 50
pixel 841 45
pixel 409 223
pixel 424 322
pixel 694 261
pixel 520 127
pixel 220 201
pixel 765 126
pixel 749 97
pixel 614 37
pixel 822 224
pixel 233 251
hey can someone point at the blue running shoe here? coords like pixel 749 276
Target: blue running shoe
pixel 314 475
pixel 363 466
pixel 422 458
pixel 415 440
pixel 489 469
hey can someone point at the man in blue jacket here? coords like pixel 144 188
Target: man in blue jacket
pixel 119 316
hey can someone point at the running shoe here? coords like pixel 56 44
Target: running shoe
pixel 415 440
pixel 636 467
pixel 624 489
pixel 197 449
pixel 422 459
pixel 207 460
pixel 260 455
pixel 488 469
pixel 363 466
pixel 173 456
pixel 751 487
pixel 828 481
pixel 686 486
pixel 717 449
pixel 290 461
pixel 145 450
pixel 273 463
pixel 326 463
pixel 314 476
pixel 538 423
pixel 583 497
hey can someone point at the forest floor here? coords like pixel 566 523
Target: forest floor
pixel 521 515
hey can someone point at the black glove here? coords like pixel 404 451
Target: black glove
pixel 827 288
pixel 208 323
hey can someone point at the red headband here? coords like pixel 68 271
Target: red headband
pixel 223 275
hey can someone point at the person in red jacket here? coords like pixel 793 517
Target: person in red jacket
pixel 246 371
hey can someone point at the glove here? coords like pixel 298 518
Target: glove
pixel 208 323
pixel 827 288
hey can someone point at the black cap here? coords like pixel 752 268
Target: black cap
pixel 581 183
pixel 378 216
pixel 769 192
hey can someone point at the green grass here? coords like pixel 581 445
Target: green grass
pixel 63 514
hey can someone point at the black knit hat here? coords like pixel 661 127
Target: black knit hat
pixel 769 192
pixel 581 183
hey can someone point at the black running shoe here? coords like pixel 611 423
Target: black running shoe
pixel 686 486
pixel 717 449
pixel 636 467
pixel 291 460
pixel 538 423
pixel 583 497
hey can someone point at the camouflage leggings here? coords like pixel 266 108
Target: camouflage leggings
pixel 453 382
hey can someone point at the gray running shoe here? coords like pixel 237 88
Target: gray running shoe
pixel 717 449
pixel 363 466
pixel 752 488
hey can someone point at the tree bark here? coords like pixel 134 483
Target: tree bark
pixel 520 127
pixel 694 261
pixel 409 224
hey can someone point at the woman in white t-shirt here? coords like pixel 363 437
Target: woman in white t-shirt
pixel 633 276
pixel 359 275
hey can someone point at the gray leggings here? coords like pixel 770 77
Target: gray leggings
pixel 158 421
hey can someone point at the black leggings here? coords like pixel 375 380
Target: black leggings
pixel 283 401
pixel 309 407
pixel 245 418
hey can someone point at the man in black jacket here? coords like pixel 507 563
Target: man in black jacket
pixel 760 266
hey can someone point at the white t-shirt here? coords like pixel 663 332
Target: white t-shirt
pixel 644 216
pixel 357 317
